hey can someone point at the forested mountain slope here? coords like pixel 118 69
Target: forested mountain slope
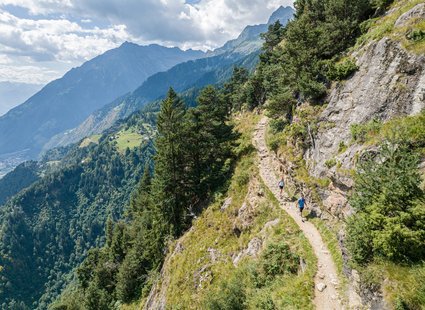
pixel 22 176
pixel 66 102
pixel 47 228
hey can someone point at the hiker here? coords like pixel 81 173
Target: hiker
pixel 301 204
pixel 281 186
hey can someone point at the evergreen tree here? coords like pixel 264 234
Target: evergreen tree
pixel 109 231
pixel 141 198
pixel 273 36
pixel 390 217
pixel 233 90
pixel 119 242
pixel 210 144
pixel 169 183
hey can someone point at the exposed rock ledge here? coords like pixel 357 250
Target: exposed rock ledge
pixel 390 82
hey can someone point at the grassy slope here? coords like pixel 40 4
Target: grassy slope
pixel 129 138
pixel 89 140
pixel 214 230
pixel 384 26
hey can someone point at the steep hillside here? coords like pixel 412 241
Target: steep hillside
pixel 66 102
pixel 347 131
pixel 47 229
pixel 22 176
pixel 389 83
pixel 242 252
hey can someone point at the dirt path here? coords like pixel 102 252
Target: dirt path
pixel 327 274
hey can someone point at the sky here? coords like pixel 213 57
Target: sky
pixel 40 40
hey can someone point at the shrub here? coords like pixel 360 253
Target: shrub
pixel 342 70
pixel 264 301
pixel 390 218
pixel 230 295
pixel 416 35
pixel 359 132
pixel 330 163
pixel 342 147
pixel 277 125
pixel 274 145
pixel 276 259
pixel 381 4
pixel 408 130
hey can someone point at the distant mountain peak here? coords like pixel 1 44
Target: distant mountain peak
pixel 249 39
pixel 283 13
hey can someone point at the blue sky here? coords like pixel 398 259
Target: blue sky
pixel 42 39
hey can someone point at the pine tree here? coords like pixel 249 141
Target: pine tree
pixel 109 231
pixel 169 183
pixel 140 199
pixel 390 218
pixel 210 145
pixel 233 89
pixel 272 38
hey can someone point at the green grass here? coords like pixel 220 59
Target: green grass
pixel 410 129
pixel 384 27
pixel 128 139
pixel 214 230
pixel 403 287
pixel 89 140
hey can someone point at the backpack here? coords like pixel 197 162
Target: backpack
pixel 281 184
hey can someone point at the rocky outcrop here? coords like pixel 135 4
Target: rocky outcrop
pixel 418 12
pixel 390 82
pixel 254 247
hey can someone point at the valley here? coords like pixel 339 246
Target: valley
pixel 157 172
pixel 9 161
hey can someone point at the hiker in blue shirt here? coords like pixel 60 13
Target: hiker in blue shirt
pixel 301 204
pixel 281 186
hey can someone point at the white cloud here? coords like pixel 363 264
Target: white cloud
pixel 57 39
pixel 36 7
pixel 64 33
pixel 172 21
pixel 26 74
pixel 4 60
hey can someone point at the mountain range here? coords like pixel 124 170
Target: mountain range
pixel 66 102
pixel 214 69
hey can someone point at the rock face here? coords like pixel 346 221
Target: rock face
pixel 417 12
pixel 254 247
pixel 321 287
pixel 390 82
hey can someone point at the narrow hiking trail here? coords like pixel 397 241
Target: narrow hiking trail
pixel 328 298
